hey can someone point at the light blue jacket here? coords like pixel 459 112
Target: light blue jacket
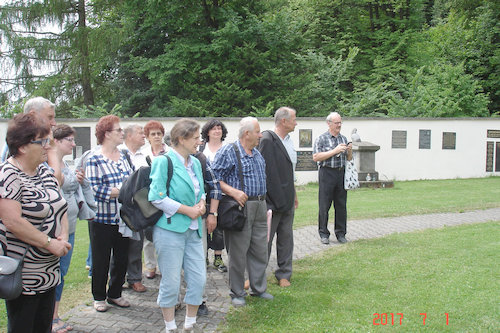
pixel 181 190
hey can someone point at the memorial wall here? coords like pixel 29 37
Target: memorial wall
pixel 410 149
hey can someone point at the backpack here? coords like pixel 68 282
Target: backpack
pixel 136 211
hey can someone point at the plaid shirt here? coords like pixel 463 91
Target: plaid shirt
pixel 213 183
pixel 104 174
pixel 225 167
pixel 326 142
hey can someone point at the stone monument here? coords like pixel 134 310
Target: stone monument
pixel 364 159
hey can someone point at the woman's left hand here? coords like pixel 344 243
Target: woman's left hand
pixel 80 175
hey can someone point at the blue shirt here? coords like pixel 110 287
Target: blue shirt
pixel 104 174
pixel 225 167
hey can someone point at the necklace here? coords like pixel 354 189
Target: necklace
pixel 18 164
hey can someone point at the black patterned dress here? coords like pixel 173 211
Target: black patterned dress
pixel 41 268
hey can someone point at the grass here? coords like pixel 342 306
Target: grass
pixel 450 271
pixel 406 198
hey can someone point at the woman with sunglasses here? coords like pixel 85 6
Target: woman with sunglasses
pixel 106 170
pixel 33 217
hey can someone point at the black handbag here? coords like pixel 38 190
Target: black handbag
pixel 232 216
pixel 11 271
pixel 11 277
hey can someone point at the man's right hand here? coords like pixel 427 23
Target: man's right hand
pixel 240 197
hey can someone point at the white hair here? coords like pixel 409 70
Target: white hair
pixel 331 115
pixel 283 112
pixel 246 124
pixel 37 104
pixel 129 130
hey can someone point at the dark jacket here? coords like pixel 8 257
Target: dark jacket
pixel 279 173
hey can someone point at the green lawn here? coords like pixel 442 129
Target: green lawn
pixel 413 197
pixel 448 273
pixel 406 198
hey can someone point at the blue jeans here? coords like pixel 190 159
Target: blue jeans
pixel 64 263
pixel 177 251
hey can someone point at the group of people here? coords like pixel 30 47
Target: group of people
pixel 41 198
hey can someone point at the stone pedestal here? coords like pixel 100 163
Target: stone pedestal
pixel 364 159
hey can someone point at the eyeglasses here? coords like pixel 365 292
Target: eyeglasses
pixel 69 139
pixel 335 122
pixel 117 129
pixel 41 142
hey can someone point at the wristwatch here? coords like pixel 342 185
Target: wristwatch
pixel 48 242
pixel 213 213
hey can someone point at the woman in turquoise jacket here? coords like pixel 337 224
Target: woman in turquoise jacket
pixel 177 234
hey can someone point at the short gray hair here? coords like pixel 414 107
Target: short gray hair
pixel 331 115
pixel 37 104
pixel 283 112
pixel 246 124
pixel 183 128
pixel 129 130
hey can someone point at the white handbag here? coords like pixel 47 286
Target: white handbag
pixel 351 181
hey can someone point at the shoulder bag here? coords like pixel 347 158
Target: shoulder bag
pixel 231 215
pixel 351 181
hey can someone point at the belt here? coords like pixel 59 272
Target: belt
pixel 257 197
pixel 339 169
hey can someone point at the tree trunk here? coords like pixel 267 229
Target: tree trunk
pixel 88 93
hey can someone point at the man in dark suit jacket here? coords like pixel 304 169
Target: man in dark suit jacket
pixel 277 149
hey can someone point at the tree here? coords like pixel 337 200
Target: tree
pixel 52 36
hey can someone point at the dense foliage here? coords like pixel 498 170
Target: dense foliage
pixel 397 58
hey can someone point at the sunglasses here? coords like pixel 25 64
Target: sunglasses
pixel 41 142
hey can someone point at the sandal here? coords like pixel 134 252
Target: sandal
pixel 65 327
pixel 120 301
pixel 100 306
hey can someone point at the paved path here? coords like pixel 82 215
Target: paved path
pixel 145 316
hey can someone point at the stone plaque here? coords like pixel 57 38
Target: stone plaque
pixel 398 139
pixel 424 139
pixel 489 156
pixel 305 161
pixel 305 138
pixel 449 140
pixel 494 134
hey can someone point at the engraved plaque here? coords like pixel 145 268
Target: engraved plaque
pixel 305 138
pixel 449 140
pixel 398 139
pixel 305 161
pixel 489 156
pixel 424 139
pixel 494 134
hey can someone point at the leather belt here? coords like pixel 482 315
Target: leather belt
pixel 339 169
pixel 257 197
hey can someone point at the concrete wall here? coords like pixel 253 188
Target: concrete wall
pixel 468 159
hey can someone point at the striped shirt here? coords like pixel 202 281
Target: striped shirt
pixel 104 174
pixel 225 167
pixel 327 142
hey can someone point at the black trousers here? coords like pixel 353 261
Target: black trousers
pixel 104 239
pixel 331 189
pixel 215 241
pixel 31 314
